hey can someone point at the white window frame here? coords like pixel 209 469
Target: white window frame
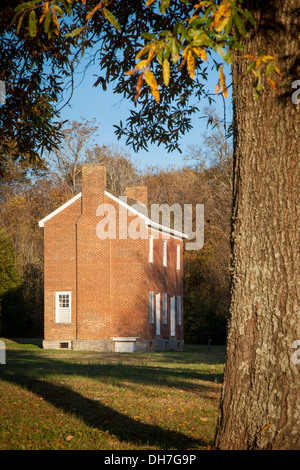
pixel 67 310
pixel 178 309
pixel 151 307
pixel 165 253
pixel 150 249
pixel 178 257
pixel 165 309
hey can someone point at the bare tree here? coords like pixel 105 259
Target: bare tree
pixel 214 158
pixel 121 171
pixel 65 162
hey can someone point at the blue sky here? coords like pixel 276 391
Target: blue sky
pixel 108 109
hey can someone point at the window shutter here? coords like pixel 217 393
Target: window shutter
pixel 172 314
pixel 150 249
pixel 178 310
pixel 165 253
pixel 151 307
pixel 165 309
pixel 178 258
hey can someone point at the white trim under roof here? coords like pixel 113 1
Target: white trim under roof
pixel 61 208
pixel 153 225
pixel 150 223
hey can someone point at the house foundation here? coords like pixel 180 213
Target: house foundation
pixel 116 345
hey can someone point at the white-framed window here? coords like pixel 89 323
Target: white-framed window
pixel 151 306
pixel 150 249
pixel 165 253
pixel 178 257
pixel 178 310
pixel 165 309
pixel 63 307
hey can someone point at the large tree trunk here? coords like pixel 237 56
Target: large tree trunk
pixel 260 404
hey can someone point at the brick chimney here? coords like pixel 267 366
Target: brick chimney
pixel 138 193
pixel 93 187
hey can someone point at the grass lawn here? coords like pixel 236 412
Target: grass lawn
pixel 88 400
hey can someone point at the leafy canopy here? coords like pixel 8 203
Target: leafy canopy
pixel 163 44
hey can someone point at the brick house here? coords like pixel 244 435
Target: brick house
pixel 119 293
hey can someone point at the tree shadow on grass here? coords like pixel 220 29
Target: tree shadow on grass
pixel 101 417
pixel 117 372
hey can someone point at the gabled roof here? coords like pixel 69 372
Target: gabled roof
pixel 150 223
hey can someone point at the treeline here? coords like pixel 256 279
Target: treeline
pixel 30 192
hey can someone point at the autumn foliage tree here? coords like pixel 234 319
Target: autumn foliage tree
pixel 27 194
pixel 165 45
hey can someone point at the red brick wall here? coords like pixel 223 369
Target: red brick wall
pixel 60 268
pixel 109 279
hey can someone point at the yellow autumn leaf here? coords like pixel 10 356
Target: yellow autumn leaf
pixel 222 82
pixel 271 83
pixel 151 52
pixel 91 13
pixel 217 89
pixel 265 58
pixel 150 80
pixel 143 51
pixel 221 17
pixel 139 66
pixel 277 70
pixel 200 52
pixel 56 23
pixel 44 12
pixel 201 5
pixel 265 427
pixel 166 71
pixel 221 25
pixel 139 86
pixel 191 63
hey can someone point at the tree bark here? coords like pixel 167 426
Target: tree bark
pixel 260 404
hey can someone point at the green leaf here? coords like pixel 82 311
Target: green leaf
pixel 20 23
pixel 75 32
pixel 239 25
pixel 25 6
pixel 175 51
pixel 165 33
pixel 250 67
pixel 148 36
pixel 247 15
pixel 164 4
pixel 67 7
pixel 159 56
pixel 226 55
pixel 32 24
pixel 110 17
pixel 270 68
pixel 47 21
pixel 59 11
